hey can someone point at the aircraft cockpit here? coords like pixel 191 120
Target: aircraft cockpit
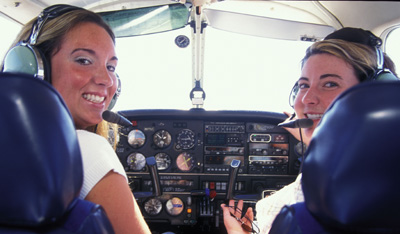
pixel 204 86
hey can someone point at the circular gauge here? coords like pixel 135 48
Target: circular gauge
pixel 136 138
pixel 185 139
pixel 174 206
pixel 136 161
pixel 163 161
pixel 162 139
pixel 299 150
pixel 185 161
pixel 153 206
pixel 182 41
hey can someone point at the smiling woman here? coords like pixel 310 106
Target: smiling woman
pixel 74 48
pixel 87 65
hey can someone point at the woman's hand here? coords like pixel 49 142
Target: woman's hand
pixel 234 223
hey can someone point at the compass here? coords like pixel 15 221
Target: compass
pixel 182 41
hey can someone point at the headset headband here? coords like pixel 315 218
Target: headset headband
pixel 48 13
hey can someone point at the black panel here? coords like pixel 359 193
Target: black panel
pixel 195 163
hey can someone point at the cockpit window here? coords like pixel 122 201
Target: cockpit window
pixel 12 28
pixel 240 72
pixel 393 47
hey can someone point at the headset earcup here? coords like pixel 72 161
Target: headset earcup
pixel 26 59
pixel 116 95
pixel 113 102
pixel 384 75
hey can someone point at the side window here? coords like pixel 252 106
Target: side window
pixel 12 28
pixel 393 47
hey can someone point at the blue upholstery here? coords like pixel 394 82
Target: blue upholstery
pixel 41 168
pixel 351 172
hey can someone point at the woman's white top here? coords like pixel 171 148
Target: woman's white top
pixel 98 158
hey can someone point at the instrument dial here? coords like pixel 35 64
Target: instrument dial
pixel 163 161
pixel 174 206
pixel 153 206
pixel 300 148
pixel 162 139
pixel 185 139
pixel 136 138
pixel 185 161
pixel 136 161
pixel 182 41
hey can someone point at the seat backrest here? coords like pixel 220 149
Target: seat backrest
pixel 350 174
pixel 41 167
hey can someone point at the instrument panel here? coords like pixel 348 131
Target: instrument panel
pixel 193 151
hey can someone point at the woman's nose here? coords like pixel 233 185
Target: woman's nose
pixel 105 77
pixel 310 97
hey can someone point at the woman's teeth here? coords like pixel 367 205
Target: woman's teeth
pixel 93 98
pixel 314 116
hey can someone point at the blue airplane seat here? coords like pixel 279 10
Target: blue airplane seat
pixel 351 172
pixel 41 167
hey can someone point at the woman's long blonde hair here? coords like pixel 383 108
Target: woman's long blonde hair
pixel 110 131
pixel 49 42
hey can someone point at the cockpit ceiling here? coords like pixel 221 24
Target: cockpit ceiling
pixel 25 10
pixel 335 14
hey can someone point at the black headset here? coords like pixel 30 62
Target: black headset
pixel 27 58
pixel 361 36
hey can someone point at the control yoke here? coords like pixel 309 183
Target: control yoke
pixel 151 162
pixel 233 171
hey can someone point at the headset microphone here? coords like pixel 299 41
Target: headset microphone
pixel 298 123
pixel 113 117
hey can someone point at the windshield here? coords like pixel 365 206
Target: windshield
pixel 240 72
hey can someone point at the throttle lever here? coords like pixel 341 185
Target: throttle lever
pixel 152 163
pixel 233 171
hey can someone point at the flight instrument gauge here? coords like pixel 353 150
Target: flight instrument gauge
pixel 185 161
pixel 153 206
pixel 136 138
pixel 185 139
pixel 163 161
pixel 174 206
pixel 162 139
pixel 182 41
pixel 300 148
pixel 136 161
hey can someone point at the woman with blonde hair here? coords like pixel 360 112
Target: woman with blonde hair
pixel 342 60
pixel 78 50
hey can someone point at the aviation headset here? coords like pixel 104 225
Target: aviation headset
pixel 358 35
pixel 27 58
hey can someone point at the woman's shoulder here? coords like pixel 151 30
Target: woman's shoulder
pixel 84 135
pixel 97 152
pixel 94 144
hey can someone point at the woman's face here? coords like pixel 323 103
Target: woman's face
pixel 323 78
pixel 83 72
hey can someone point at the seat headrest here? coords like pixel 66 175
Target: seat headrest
pixel 41 166
pixel 351 171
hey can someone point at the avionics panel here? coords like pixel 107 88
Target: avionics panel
pixel 223 142
pixel 268 149
pixel 193 151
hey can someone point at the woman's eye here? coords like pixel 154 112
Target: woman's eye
pixel 111 68
pixel 303 86
pixel 83 61
pixel 331 84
